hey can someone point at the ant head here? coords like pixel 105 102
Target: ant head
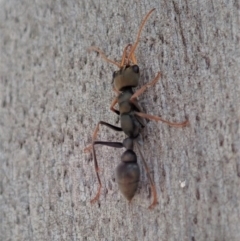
pixel 127 76
pixel 128 73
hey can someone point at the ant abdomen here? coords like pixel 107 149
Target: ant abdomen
pixel 128 174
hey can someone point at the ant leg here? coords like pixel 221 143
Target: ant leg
pixel 99 180
pixel 116 91
pixel 93 48
pixel 157 118
pixel 114 102
pixel 153 188
pixel 111 144
pixel 144 87
pixel 115 128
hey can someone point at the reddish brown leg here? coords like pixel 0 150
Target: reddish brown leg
pixel 116 91
pixel 153 188
pixel 106 143
pixel 94 136
pixel 144 87
pixel 97 172
pixel 157 118
pixel 88 148
pixel 114 102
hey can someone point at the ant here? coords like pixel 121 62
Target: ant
pixel 124 80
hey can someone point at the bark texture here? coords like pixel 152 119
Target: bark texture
pixel 53 93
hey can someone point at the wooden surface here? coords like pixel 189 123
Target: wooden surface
pixel 53 93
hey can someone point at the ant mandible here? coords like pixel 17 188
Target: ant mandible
pixel 124 80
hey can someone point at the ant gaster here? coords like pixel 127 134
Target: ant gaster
pixel 124 80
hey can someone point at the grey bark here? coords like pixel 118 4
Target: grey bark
pixel 53 93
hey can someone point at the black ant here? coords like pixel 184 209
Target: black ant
pixel 124 80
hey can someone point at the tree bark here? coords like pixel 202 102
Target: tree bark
pixel 53 93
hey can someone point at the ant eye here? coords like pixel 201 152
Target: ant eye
pixel 135 69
